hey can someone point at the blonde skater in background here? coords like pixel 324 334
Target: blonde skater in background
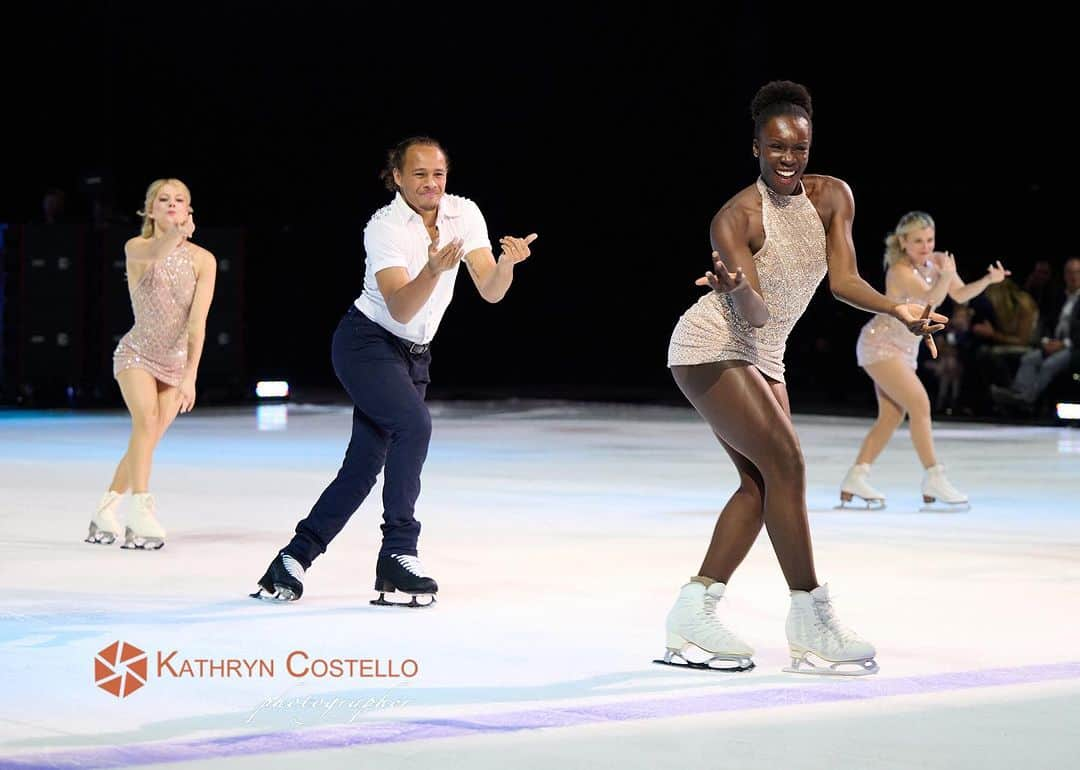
pixel 888 352
pixel 171 281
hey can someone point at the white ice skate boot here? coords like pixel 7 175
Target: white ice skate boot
pixel 856 485
pixel 143 530
pixel 939 495
pixel 694 621
pixel 104 526
pixel 814 632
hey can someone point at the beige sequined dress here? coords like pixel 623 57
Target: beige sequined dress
pixel 790 265
pixel 884 336
pixel 161 301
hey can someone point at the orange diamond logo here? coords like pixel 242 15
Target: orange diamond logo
pixel 120 669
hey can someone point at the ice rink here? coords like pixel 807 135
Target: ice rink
pixel 559 534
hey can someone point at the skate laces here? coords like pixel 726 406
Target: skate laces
pixel 107 510
pixel 708 613
pixel 410 563
pixel 293 567
pixel 939 481
pixel 144 504
pixel 709 607
pixel 827 616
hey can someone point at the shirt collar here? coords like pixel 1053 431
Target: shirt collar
pixel 448 207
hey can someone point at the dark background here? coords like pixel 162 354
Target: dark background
pixel 614 134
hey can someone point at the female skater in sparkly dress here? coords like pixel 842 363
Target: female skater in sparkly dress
pixel 171 281
pixel 888 353
pixel 773 243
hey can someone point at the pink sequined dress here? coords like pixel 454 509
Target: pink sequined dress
pixel 885 337
pixel 162 303
pixel 790 265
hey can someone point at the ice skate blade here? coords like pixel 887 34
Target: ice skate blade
pixel 737 663
pixel 803 665
pixel 280 594
pixel 862 504
pixel 144 544
pixel 99 536
pixel 931 506
pixel 381 602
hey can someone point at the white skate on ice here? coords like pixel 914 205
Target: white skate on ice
pixel 143 530
pixel 939 495
pixel 819 644
pixel 856 485
pixel 693 625
pixel 104 526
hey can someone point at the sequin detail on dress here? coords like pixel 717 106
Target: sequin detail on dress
pixel 161 301
pixel 790 265
pixel 884 337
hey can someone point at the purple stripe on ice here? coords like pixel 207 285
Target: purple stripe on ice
pixel 337 737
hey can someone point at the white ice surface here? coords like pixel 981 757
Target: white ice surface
pixel 559 534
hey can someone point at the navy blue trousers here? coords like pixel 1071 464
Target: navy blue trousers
pixel 391 429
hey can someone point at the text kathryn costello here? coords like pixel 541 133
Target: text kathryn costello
pixel 298 664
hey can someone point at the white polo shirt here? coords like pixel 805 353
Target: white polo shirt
pixel 395 236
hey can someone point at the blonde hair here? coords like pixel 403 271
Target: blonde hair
pixel 913 220
pixel 148 204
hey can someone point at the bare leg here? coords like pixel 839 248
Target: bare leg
pixel 890 415
pixel 121 480
pixel 153 407
pixel 744 515
pixel 899 382
pixel 739 523
pixel 168 398
pixel 744 412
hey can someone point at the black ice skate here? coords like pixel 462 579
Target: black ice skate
pixel 283 581
pixel 398 572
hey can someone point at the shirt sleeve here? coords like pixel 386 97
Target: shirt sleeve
pixel 382 245
pixel 476 233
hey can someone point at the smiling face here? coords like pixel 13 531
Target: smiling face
pixel 422 177
pixel 782 148
pixel 918 244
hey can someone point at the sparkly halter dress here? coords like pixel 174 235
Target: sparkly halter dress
pixel 161 301
pixel 790 265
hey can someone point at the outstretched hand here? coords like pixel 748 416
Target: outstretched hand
pixel 515 250
pixel 945 262
pixel 722 281
pixel 922 321
pixel 441 260
pixel 997 272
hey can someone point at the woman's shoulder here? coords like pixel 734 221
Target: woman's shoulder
pixel 829 194
pixel 740 208
pixel 823 185
pixel 132 246
pixel 199 254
